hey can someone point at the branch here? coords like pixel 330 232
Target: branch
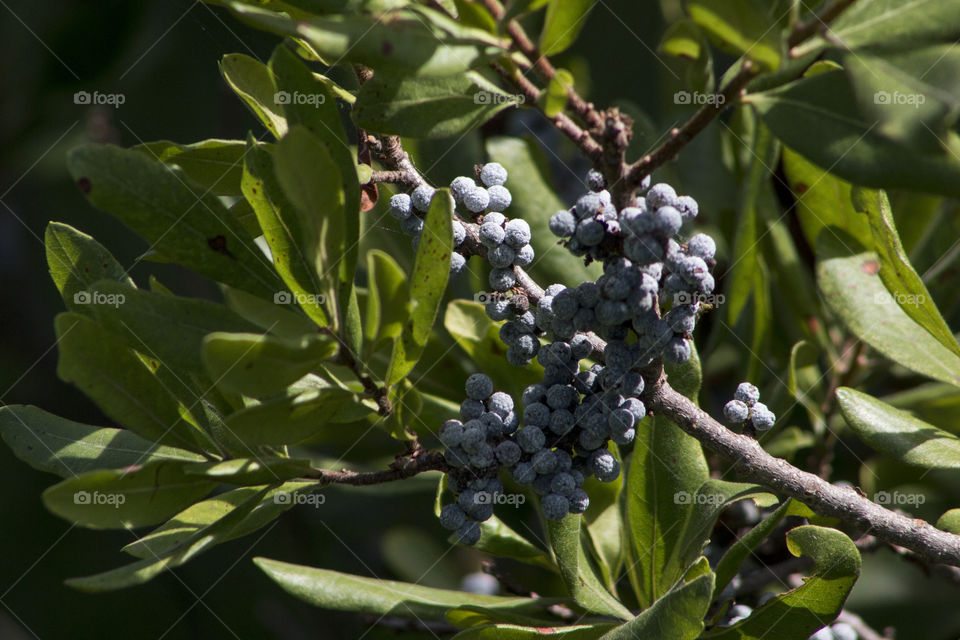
pixel 380 394
pixel 409 179
pixel 405 466
pixel 846 504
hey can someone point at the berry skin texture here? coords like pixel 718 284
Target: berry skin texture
pixel 457 262
pixel 501 256
pixel 500 403
pixel 412 225
pixel 823 634
pixel 534 393
pixel 604 466
pixel 702 246
pixel 677 351
pixel 525 256
pixel 747 394
pixel 687 207
pixel 491 234
pixel 460 186
pixel 523 473
pixel 555 506
pixel 400 206
pixel 563 224
pixel 843 631
pixel 508 453
pixel 544 461
pixel 451 433
pixel 421 197
pixel 517 233
pixel 499 198
pixel 452 517
pixel 479 386
pixel 469 533
pixel 761 417
pixel 493 173
pixel 579 501
pixel 531 439
pixel 476 200
pixel 459 233
pixel 595 180
pixel 660 195
pixel 502 279
pixel 736 412
pixel 471 409
pixel 536 414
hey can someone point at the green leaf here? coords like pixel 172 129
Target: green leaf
pixel 498 539
pixel 132 497
pixel 896 271
pixel 161 326
pixel 387 301
pixel 344 592
pixel 428 281
pixel 554 98
pixel 823 201
pixel 273 318
pixel 428 107
pixel 577 573
pixel 950 521
pixel 216 166
pixel 605 527
pixel 819 117
pixel 290 420
pixel 67 448
pixel 853 290
pixel 562 24
pixel 400 42
pixel 685 41
pixel 729 565
pixel 251 80
pixel 535 200
pixel 76 261
pixel 311 181
pixel 259 365
pixel 251 471
pixel 180 222
pixel 795 614
pixel 265 506
pixel 291 235
pixel 678 615
pixel 742 27
pixel 897 433
pixel 190 547
pixel 516 632
pixel 120 383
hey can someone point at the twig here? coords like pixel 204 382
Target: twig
pixel 380 394
pixel 408 179
pixel 405 466
pixel 818 23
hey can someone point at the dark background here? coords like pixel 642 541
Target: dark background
pixel 162 56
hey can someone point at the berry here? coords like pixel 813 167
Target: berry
pixel 493 424
pixel 624 438
pixel 823 634
pixel 563 224
pixel 476 200
pixel 451 433
pixel 595 180
pixel 620 420
pixel 561 396
pixel 536 415
pixel 588 206
pixel 555 506
pixel 457 262
pixel 517 233
pixel 604 466
pixel 761 417
pixel 747 393
pixel 591 232
pixel 534 393
pixel 459 233
pixel 525 256
pixel 421 197
pixel 702 246
pixel 677 351
pixel 412 225
pixel 471 409
pixel 579 501
pixel 682 318
pixel 501 256
pixel 479 386
pixel 660 195
pixel 456 457
pixel 492 174
pixel 667 220
pixel 452 517
pixel 496 218
pixel 562 422
pixel 469 533
pixel 491 234
pixel 531 438
pixel 736 412
pixel 400 207
pixel 498 308
pixel 460 186
pixel 843 631
pixel 544 461
pixel 499 198
pixel 508 453
pixel 500 403
pixel 687 207
pixel 502 279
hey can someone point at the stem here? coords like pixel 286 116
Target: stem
pixel 405 466
pixel 818 23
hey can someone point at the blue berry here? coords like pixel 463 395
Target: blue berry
pixel 579 501
pixel 456 457
pixel 491 234
pixel 508 453
pixel 531 439
pixel 747 394
pixel 536 415
pixel 565 304
pixel 620 420
pixel 476 200
pixel 677 351
pixel 554 506
pixel 635 407
pixel 501 256
pixel 451 433
pixel 591 232
pixel 460 186
pixel 469 533
pixel 702 246
pixel 536 392
pixel 561 396
pixel 643 249
pixel 479 386
pixel 500 403
pixel 822 634
pixel 562 422
pixel 493 173
pixel 496 218
pixel 588 206
pixel 563 483
pixel 499 198
pixel 517 233
pixel 843 631
pixel 400 207
pixel 682 318
pixel 589 440
pixel 736 411
pixel 421 197
pixel 474 436
pixel 412 225
pixel 660 195
pixel 498 308
pixel 502 279
pixel 687 207
pixel 471 409
pixel 493 424
pixel 523 473
pixel 667 220
pixel 604 466
pixel 595 180
pixel 452 517
pixel 457 262
pixel 525 256
pixel 761 417
pixel 459 233
pixel 544 461
pixel 624 438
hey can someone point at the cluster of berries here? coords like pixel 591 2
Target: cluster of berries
pixel 746 406
pixel 507 242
